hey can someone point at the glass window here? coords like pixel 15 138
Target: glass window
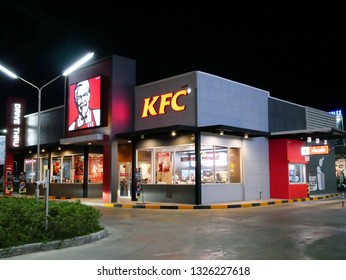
pixel 95 168
pixel 56 172
pixel 214 164
pixel 78 169
pixel 176 164
pixel 144 163
pixel 44 168
pixel 234 165
pixel 207 164
pixel 33 170
pixel 164 165
pixel 296 173
pixel 220 164
pixel 167 165
pixel 184 169
pixel 30 169
pixel 66 171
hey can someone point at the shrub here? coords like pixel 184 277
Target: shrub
pixel 68 220
pixel 23 221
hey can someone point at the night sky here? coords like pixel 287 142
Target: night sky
pixel 297 55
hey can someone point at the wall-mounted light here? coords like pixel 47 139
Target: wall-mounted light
pixel 29 151
pixel 173 133
pixel 221 132
pixel 43 150
pixel 246 136
pixel 59 148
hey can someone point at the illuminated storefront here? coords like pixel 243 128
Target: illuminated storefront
pixel 191 147
pixel 192 138
pixel 78 151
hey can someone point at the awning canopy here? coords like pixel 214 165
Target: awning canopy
pixel 94 139
pixel 326 133
pixel 183 129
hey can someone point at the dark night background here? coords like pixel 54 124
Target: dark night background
pixel 296 54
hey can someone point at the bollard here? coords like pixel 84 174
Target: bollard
pixel 37 194
pixel 307 190
pixel 343 199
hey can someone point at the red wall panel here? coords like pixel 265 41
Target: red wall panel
pixel 281 153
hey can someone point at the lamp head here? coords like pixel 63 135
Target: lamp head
pixel 8 72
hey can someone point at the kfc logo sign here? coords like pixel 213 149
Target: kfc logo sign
pixel 156 105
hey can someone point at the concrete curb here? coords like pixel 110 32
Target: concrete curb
pixel 242 204
pixel 182 206
pixel 52 245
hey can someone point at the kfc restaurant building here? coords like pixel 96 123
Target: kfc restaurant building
pixel 193 138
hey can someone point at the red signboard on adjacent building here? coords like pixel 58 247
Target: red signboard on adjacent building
pixel 315 150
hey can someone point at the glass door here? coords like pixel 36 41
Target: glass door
pixel 124 185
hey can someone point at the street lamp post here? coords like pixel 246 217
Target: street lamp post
pixel 67 72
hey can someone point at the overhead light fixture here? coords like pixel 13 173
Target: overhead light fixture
pixel 309 139
pixel 173 133
pixel 59 148
pixel 221 132
pixel 142 136
pixel 326 142
pixel 78 63
pixel 317 140
pixel 246 136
